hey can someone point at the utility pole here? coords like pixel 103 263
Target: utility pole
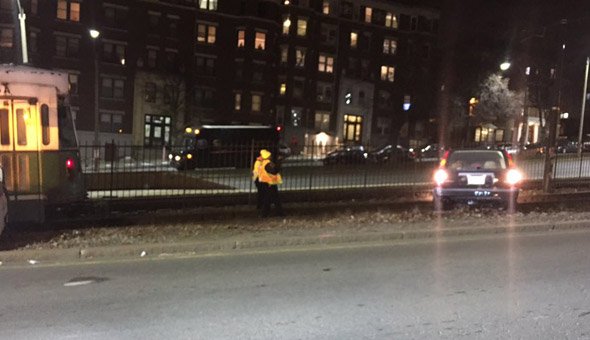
pixel 581 132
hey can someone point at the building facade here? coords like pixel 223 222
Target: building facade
pixel 357 71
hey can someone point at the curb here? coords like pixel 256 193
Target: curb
pixel 151 251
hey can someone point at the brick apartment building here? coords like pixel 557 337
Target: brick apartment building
pixel 358 71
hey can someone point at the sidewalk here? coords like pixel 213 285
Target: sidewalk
pixel 335 228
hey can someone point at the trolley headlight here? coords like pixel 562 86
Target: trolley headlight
pixel 189 156
pixel 177 158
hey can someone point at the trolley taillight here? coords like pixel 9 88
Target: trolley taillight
pixel 70 166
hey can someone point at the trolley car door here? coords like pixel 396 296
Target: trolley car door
pixel 22 166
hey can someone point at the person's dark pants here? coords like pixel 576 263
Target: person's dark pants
pixel 260 187
pixel 271 196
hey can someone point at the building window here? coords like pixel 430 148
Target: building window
pixel 238 101
pixel 156 130
pixel 326 63
pixel 256 102
pixel 299 57
pixel 260 41
pixel 68 10
pixel 298 87
pixel 6 36
pixel 111 122
pixel 206 34
pixel 414 23
pixel 115 15
pixel 66 46
pixel 173 26
pixel 32 42
pixel 283 89
pixel 324 92
pixel 322 121
pixel 387 73
pixel 172 60
pixel 284 54
pixel 258 77
pixel 241 38
pixel 154 20
pixel 328 34
pixel 326 7
pixel 347 8
pixel 113 52
pixel 152 58
pixel 73 80
pixel 389 46
pixel 286 25
pixel 368 14
pixel 301 27
pixel 204 97
pixel 113 88
pixel 391 20
pixel 205 66
pixel 150 92
pixel 210 5
pixel 383 99
pixel 352 128
pixel 354 39
pixel 384 125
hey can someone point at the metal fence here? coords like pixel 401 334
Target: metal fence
pixel 129 171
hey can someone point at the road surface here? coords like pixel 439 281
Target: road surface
pixel 513 286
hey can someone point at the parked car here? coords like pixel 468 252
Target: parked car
pixel 567 146
pixel 284 151
pixel 347 155
pixel 476 176
pixel 427 153
pixel 389 153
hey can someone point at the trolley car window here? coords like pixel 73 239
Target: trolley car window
pixel 21 127
pixel 45 124
pixel 4 128
pixel 67 137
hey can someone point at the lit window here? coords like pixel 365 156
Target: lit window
pixel 387 73
pixel 326 63
pixel 6 37
pixel 299 57
pixel 210 5
pixel 256 102
pixel 391 20
pixel 326 7
pixel 301 27
pixel 389 46
pixel 368 14
pixel 68 10
pixel 283 89
pixel 353 39
pixel 322 120
pixel 286 25
pixel 260 41
pixel 206 33
pixel 241 38
pixel 238 101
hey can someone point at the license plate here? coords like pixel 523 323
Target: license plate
pixel 476 179
pixel 482 193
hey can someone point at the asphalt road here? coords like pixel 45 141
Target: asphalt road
pixel 515 286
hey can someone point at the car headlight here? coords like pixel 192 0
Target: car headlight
pixel 365 155
pixel 189 156
pixel 513 176
pixel 170 156
pixel 440 176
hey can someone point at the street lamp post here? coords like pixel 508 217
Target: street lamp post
pixel 94 34
pixel 581 130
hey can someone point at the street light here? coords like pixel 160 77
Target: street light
pixel 94 34
pixel 505 66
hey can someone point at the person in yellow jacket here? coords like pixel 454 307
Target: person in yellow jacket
pixel 264 154
pixel 270 178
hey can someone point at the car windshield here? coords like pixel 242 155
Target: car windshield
pixel 476 160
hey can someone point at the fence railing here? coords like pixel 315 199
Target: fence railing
pixel 127 171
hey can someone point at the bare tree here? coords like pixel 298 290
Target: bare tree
pixel 174 101
pixel 497 103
